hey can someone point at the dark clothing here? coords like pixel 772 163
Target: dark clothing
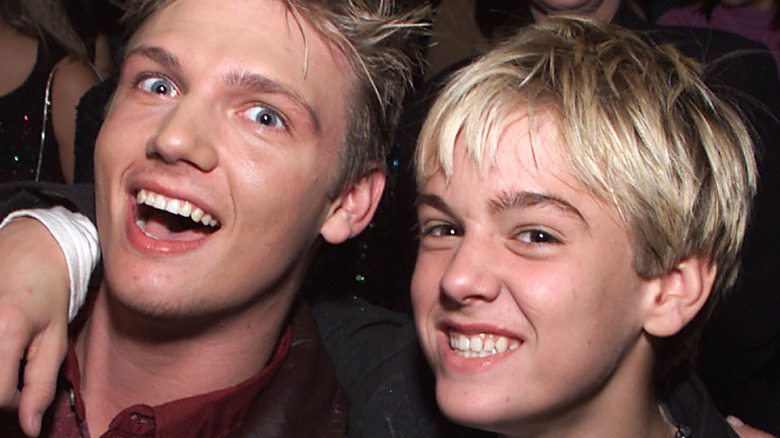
pixel 692 409
pixel 295 395
pixel 89 119
pixel 21 120
pixel 379 362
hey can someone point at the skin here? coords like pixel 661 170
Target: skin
pixel 525 252
pixel 35 315
pixel 73 78
pixel 602 10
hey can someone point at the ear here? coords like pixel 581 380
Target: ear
pixel 678 295
pixel 352 211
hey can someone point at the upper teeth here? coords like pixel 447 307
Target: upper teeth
pixel 481 345
pixel 175 206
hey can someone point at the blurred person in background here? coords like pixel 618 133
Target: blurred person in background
pixel 46 73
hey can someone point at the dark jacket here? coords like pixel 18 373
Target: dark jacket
pixel 304 399
pixel 693 411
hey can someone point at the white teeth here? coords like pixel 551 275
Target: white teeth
pixel 482 344
pixel 175 206
pixel 476 344
pixel 501 344
pixel 159 202
pixel 196 214
pixel 172 206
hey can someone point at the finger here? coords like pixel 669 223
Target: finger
pixel 12 348
pixel 40 379
pixel 744 430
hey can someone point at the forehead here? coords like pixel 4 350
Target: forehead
pixel 526 155
pixel 223 38
pixel 522 149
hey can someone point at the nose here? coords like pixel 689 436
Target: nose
pixel 187 133
pixel 471 274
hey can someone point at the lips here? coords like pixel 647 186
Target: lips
pixel 165 218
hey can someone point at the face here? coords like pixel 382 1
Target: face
pixel 602 10
pixel 524 293
pixel 216 156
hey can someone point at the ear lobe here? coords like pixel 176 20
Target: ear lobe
pixel 678 295
pixel 352 211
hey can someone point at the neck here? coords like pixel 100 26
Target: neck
pixel 128 359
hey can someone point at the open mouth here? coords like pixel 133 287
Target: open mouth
pixel 164 218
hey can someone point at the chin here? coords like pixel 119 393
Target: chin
pixel 476 410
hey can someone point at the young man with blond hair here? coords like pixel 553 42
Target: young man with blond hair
pixel 583 199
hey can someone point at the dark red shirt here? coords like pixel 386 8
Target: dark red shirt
pixel 215 414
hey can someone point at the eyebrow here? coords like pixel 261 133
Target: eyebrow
pixel 508 201
pixel 251 81
pixel 522 199
pixel 434 201
pixel 156 54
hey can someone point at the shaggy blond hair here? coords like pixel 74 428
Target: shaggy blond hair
pixel 639 130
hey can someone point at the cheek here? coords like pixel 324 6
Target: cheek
pixel 425 301
pixel 427 275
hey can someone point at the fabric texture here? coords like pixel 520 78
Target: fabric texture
pixel 691 409
pixel 754 24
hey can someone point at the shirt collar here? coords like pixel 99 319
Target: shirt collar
pixel 212 414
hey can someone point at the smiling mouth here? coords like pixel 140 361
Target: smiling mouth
pixel 162 218
pixel 481 344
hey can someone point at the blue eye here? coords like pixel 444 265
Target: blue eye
pixel 158 85
pixel 265 116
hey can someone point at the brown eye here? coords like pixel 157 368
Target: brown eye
pixel 441 230
pixel 537 236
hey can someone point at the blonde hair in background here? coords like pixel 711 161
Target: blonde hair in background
pixel 639 130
